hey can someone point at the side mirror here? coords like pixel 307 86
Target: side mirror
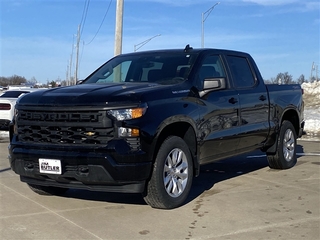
pixel 213 84
pixel 79 82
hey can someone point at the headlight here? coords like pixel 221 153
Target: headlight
pixel 129 113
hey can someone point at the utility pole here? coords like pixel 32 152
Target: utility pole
pixel 312 68
pixel 70 63
pixel 67 74
pixel 118 31
pixel 70 69
pixel 77 56
pixel 204 17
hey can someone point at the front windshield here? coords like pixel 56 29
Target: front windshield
pixel 162 68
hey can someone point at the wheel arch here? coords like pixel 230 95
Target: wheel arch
pixel 184 129
pixel 292 116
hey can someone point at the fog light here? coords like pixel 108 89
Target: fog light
pixel 128 132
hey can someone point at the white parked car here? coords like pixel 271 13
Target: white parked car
pixel 7 103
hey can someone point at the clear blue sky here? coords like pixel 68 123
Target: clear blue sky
pixel 38 36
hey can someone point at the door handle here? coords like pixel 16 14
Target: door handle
pixel 233 100
pixel 262 98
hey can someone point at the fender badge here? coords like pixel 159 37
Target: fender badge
pixel 180 91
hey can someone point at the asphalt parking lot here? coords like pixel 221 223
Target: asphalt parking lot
pixel 238 198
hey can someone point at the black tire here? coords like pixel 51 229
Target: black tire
pixel 171 181
pixel 285 157
pixel 45 190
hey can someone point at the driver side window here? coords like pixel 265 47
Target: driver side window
pixel 211 68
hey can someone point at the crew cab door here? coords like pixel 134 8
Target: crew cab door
pixel 218 126
pixel 254 103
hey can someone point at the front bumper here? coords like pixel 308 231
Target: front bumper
pixel 83 168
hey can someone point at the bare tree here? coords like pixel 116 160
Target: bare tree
pixel 284 78
pixel 301 79
pixel 13 80
pixel 32 81
pixel 273 80
pixel 266 81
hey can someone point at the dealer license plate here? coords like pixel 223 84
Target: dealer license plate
pixel 51 166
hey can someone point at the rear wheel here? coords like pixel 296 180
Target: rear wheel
pixel 172 175
pixel 285 157
pixel 45 190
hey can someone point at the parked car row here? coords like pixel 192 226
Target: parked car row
pixel 8 101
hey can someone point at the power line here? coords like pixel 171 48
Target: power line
pixel 101 23
pixel 81 26
pixel 84 15
pixel 81 53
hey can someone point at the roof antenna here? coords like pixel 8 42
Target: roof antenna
pixel 187 48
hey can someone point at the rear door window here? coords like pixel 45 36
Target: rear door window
pixel 241 72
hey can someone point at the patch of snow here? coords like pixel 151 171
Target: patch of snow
pixel 312 121
pixel 312 89
pixel 312 110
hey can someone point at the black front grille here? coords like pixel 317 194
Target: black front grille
pixel 64 127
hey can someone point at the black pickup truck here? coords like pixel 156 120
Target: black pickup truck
pixel 145 122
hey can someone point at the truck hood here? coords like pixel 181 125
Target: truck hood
pixel 93 94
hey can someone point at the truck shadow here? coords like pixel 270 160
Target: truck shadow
pixel 210 175
pixel 220 171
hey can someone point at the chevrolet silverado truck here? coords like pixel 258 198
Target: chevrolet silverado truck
pixel 145 122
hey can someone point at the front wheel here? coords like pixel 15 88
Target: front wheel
pixel 285 157
pixel 172 175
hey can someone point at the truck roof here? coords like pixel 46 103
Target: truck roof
pixel 189 49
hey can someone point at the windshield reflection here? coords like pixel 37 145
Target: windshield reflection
pixel 156 68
